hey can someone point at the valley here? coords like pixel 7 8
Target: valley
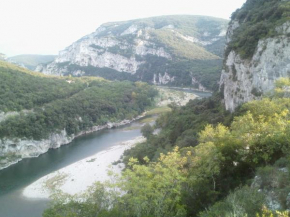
pixel 164 116
pixel 106 144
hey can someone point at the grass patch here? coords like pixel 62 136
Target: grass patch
pixel 148 120
pixel 158 110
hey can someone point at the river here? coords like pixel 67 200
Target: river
pixel 16 177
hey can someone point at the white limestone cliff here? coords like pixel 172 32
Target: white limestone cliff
pixel 243 80
pixel 14 150
pixel 159 79
pixel 105 51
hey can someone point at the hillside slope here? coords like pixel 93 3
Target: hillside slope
pixel 174 50
pixel 31 61
pixel 38 112
pixel 258 51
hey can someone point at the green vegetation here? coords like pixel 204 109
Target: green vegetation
pixel 258 19
pixel 211 172
pixel 56 104
pixel 22 89
pixel 106 73
pixel 32 60
pixel 158 110
pixel 207 72
pixel 180 47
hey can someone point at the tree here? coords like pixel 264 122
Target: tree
pixel 147 130
pixel 155 189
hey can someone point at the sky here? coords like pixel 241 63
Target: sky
pixel 48 26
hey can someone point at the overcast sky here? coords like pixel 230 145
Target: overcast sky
pixel 48 26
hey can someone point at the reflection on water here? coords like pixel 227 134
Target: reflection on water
pixel 15 178
pixel 20 175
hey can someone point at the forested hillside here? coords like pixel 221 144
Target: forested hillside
pixel 35 107
pixel 257 52
pixel 258 20
pixel 214 157
pixel 213 164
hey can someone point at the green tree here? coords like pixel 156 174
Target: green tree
pixel 147 130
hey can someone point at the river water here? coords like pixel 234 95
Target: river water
pixel 15 178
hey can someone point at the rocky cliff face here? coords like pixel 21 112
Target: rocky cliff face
pixel 243 80
pixel 104 53
pixel 248 78
pixel 144 50
pixel 14 150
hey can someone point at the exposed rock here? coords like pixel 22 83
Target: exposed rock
pixel 94 50
pixel 195 82
pixel 14 150
pixel 272 201
pixel 162 79
pixel 257 182
pixel 132 29
pixel 243 80
pixel 271 187
pixel 141 49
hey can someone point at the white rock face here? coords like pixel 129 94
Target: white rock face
pixel 245 80
pixel 119 46
pixel 201 42
pixel 14 150
pixel 144 47
pixel 200 87
pixel 162 79
pixel 105 52
pixel 132 29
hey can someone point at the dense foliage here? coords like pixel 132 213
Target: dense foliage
pixel 206 72
pixel 22 89
pixel 59 105
pixel 258 19
pixel 181 127
pixel 205 176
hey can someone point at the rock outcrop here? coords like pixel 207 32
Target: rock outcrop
pixel 14 150
pixel 246 78
pixel 142 49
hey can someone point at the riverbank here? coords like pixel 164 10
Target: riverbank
pixel 77 177
pixel 14 150
pixel 167 96
pixel 34 148
pixel 186 88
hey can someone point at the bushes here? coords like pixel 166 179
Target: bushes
pixel 77 106
pixel 258 19
pixel 21 89
pixel 241 203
